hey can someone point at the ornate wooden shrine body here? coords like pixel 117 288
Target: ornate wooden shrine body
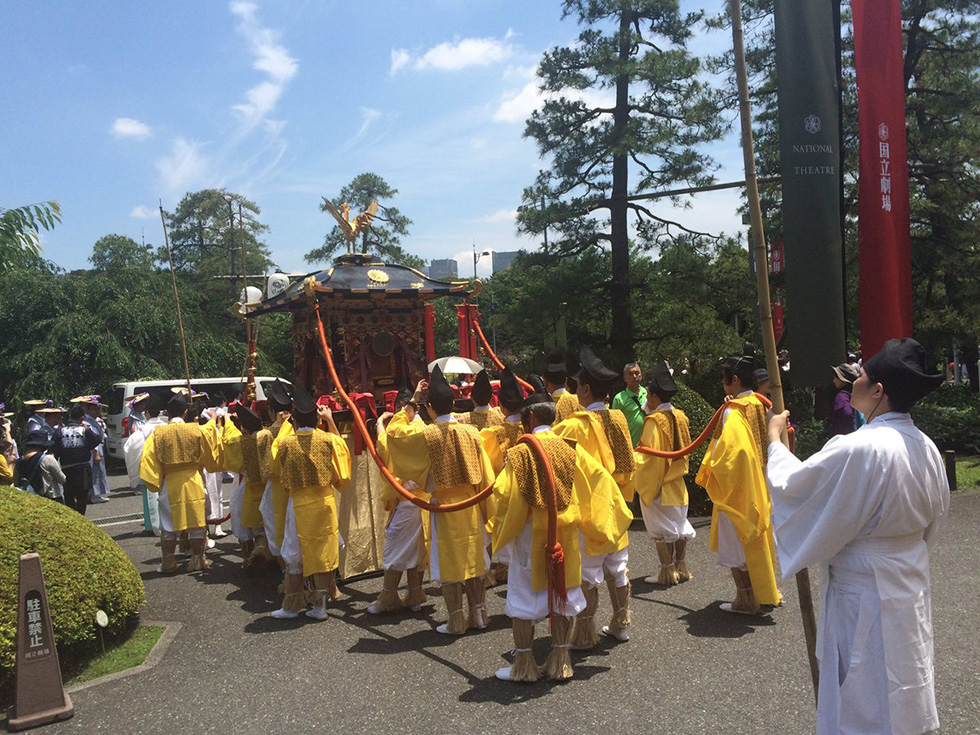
pixel 376 322
pixel 379 321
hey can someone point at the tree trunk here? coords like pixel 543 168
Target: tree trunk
pixel 622 319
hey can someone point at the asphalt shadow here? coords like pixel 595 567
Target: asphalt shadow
pixel 712 622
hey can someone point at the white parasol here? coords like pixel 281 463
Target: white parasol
pixel 456 365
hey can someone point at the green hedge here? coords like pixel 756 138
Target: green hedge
pixel 84 571
pixel 950 416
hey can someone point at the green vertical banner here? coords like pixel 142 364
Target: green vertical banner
pixel 809 160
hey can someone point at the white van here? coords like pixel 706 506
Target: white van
pixel 118 419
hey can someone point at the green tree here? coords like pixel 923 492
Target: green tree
pixel 387 229
pixel 20 230
pixel 118 252
pixel 658 114
pixel 206 235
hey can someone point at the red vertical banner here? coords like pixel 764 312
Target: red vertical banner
pixel 885 293
pixel 463 329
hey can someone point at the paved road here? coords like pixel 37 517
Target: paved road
pixel 688 668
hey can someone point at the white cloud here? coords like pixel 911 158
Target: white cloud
pixel 399 58
pixel 458 54
pixel 127 127
pixel 516 107
pixel 185 167
pixel 142 212
pixel 269 57
pixel 500 216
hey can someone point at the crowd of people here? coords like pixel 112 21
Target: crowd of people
pixel 64 452
pixel 532 487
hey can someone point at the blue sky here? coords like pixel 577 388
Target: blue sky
pixel 111 107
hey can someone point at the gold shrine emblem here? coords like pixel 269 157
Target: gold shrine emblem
pixel 377 276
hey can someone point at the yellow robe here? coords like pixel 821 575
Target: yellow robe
pixel 312 463
pixel 732 474
pixel 390 498
pixel 482 419
pixel 6 474
pixel 593 511
pixel 460 533
pixel 279 497
pixel 659 476
pixel 498 439
pixel 605 435
pixel 230 457
pixel 565 405
pixel 255 448
pixel 176 453
pixel 586 430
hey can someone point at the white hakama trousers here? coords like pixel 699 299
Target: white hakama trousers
pixel 235 509
pixel 213 495
pixel 853 678
pixel 523 601
pixel 434 548
pixel 269 519
pixel 166 519
pixel 403 538
pixel 731 554
pixel 602 566
pixel 666 522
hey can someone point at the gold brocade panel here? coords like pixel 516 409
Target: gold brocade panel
pixel 454 454
pixel 307 461
pixel 528 471
pixel 178 443
pixel 362 517
pixel 618 434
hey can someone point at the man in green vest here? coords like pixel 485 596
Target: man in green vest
pixel 632 400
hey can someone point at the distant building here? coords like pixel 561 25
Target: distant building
pixel 444 270
pixel 503 259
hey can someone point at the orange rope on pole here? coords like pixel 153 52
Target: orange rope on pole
pixel 493 356
pixel 362 428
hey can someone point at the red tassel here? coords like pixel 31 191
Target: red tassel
pixel 557 594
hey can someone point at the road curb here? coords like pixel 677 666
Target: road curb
pixel 155 656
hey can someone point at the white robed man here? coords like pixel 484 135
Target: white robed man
pixel 171 464
pixel 555 378
pixel 660 480
pixel 143 420
pixel 604 434
pixel 313 463
pixel 445 460
pixel 538 588
pixel 733 474
pixel 867 508
pixel 407 527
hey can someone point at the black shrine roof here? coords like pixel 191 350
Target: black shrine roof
pixel 362 276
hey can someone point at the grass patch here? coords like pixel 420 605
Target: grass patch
pixel 121 655
pixel 968 473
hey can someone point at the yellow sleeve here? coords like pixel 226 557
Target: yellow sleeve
pixel 732 474
pixel 6 474
pixel 511 512
pixel 230 449
pixel 341 461
pixel 491 448
pixel 408 452
pixel 210 447
pixel 151 472
pixel 605 517
pixel 587 433
pixel 650 470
